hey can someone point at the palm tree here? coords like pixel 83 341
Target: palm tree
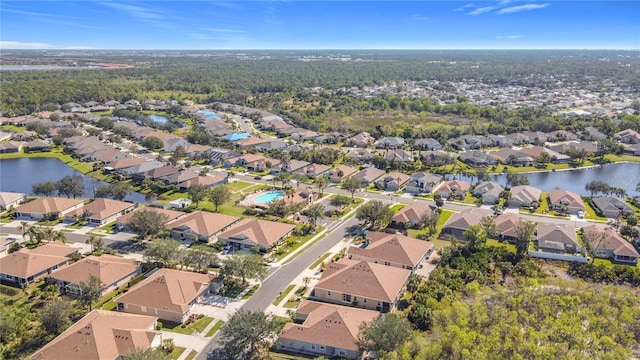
pixel 321 182
pixel 25 226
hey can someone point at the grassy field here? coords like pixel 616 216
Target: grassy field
pixel 177 351
pixel 590 212
pixel 495 243
pixel 199 325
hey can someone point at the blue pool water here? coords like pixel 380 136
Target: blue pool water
pixel 268 197
pixel 209 114
pixel 157 118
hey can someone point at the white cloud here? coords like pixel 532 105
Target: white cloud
pixel 481 10
pixel 509 37
pixel 18 45
pixel 519 8
pixel 136 11
pixel 233 31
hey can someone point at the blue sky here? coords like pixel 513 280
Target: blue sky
pixel 301 24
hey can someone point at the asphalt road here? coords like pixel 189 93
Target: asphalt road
pixel 279 278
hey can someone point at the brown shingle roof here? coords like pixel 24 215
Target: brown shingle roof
pixel 258 231
pixel 45 205
pixel 394 248
pixel 107 268
pixel 102 208
pixel 412 212
pixel 124 163
pixel 171 214
pixel 328 325
pixel 614 242
pixel 549 235
pixel 25 263
pixel 167 289
pixel 101 335
pixel 365 279
pixel 506 224
pixel 466 218
pixel 571 199
pixel 203 222
pixel 525 193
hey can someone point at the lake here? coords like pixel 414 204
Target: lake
pixel 17 175
pixel 624 175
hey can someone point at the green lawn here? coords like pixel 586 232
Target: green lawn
pixel 300 240
pixel 177 351
pixel 495 243
pixel 192 355
pixel 199 325
pixel 215 328
pixel 590 212
pixel 444 216
pixel 12 128
pixel 251 292
pixel 397 207
pixel 319 261
pixel 283 294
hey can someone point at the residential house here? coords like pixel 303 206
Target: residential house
pixel 368 175
pixel 556 238
pixel 437 158
pixel 124 163
pixel 325 330
pixel 628 136
pixel 509 156
pixel 11 199
pixel 477 158
pixel 272 144
pixel 140 168
pixel 304 134
pixel 427 144
pixel 180 203
pixel 155 173
pixel 506 226
pixel 610 207
pixel 243 160
pixel 398 155
pixel 43 207
pixel 38 145
pixel 392 181
pixel 251 142
pixel 422 182
pixel 26 266
pixel 179 177
pixel 168 294
pixel 169 215
pixel 488 191
pixel 632 149
pixel 392 142
pixel 591 133
pixel 587 148
pixel 459 222
pixel 100 211
pixel 411 216
pixel 453 188
pixel 561 135
pixel 209 181
pixel 340 173
pixel 11 147
pixel 524 196
pixel 566 200
pixel 113 271
pixel 103 334
pixel 264 234
pixel 392 250
pixel 200 225
pixel 500 140
pixel 361 140
pixel 314 170
pixel 292 166
pixel 610 245
pixel 361 284
pixel 360 155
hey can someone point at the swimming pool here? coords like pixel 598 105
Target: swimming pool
pixel 209 114
pixel 268 197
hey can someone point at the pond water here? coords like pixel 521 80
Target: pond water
pixel 157 118
pixel 624 175
pixel 17 175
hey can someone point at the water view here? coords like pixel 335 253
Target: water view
pixel 157 118
pixel 18 175
pixel 209 114
pixel 624 175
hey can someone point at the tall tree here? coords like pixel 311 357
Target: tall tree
pixel 219 195
pixel 244 266
pixel 313 212
pixel 70 186
pixel 90 291
pixel 524 233
pixel 248 333
pixel 352 185
pixel 438 200
pixel 197 193
pixel 164 250
pixel 200 256
pixel 375 213
pixel 321 182
pixel 55 316
pixel 45 188
pixel 147 222
pixel 152 143
pixel 384 334
pixel 594 240
pixel 476 236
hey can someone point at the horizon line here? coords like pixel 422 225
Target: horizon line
pixel 321 49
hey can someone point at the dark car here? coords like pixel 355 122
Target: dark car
pixel 257 178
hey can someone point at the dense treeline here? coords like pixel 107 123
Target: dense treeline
pixel 226 78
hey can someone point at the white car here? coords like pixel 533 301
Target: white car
pixel 581 214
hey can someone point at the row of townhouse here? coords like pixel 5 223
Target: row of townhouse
pixel 365 284
pixel 549 238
